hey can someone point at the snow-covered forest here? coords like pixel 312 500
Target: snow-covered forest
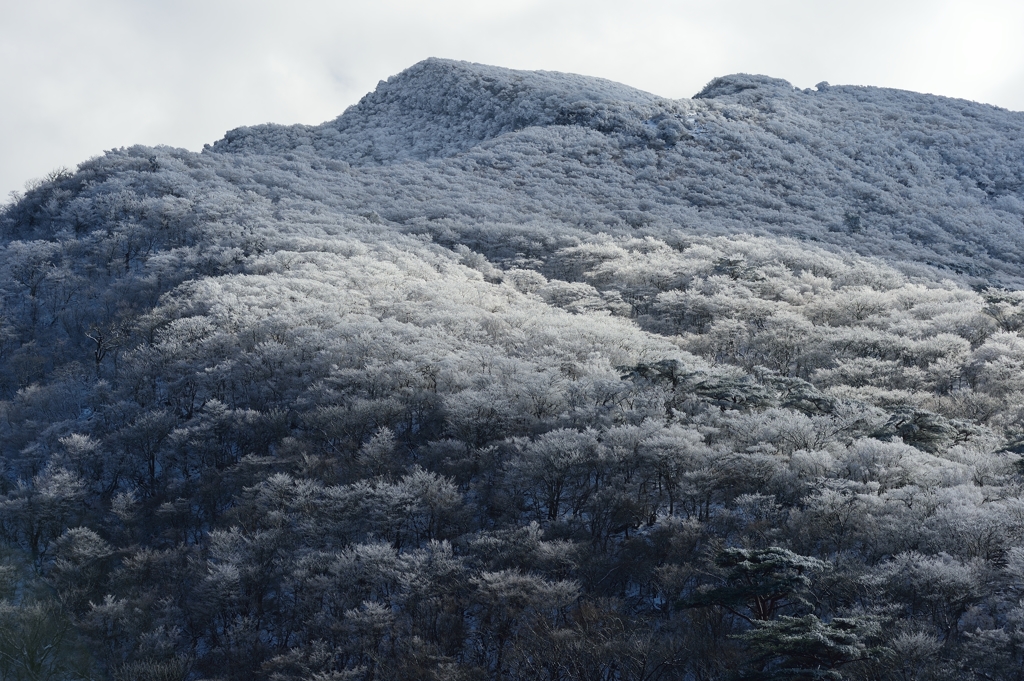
pixel 524 375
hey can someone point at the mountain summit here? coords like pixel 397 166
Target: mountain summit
pixel 439 107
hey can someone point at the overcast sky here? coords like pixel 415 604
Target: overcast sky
pixel 82 76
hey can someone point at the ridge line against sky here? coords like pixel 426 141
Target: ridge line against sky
pixel 84 76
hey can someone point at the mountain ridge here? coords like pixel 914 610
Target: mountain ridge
pixel 861 168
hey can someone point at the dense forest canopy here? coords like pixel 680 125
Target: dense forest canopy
pixel 524 375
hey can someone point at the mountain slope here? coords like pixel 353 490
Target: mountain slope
pixel 511 375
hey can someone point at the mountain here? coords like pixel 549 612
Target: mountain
pixel 518 375
pixel 880 172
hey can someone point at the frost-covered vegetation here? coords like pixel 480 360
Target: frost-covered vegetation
pixel 507 375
